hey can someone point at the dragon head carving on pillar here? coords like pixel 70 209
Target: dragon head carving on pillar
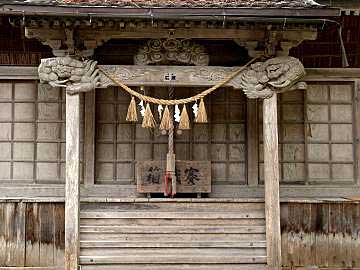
pixel 74 75
pixel 262 79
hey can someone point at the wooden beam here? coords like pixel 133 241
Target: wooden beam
pixel 271 174
pixel 193 33
pixel 312 74
pixel 159 13
pixel 89 139
pixel 72 185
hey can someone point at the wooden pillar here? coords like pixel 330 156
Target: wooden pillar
pixel 89 139
pixel 252 138
pixel 72 186
pixel 271 175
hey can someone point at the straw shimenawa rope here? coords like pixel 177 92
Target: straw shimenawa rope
pixel 168 102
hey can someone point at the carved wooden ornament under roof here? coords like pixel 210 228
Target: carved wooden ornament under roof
pixel 171 51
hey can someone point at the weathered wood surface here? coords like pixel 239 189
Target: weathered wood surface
pixel 272 177
pixel 31 235
pixel 252 142
pixel 312 74
pixel 72 185
pixel 89 138
pixel 175 267
pixel 307 239
pixel 326 235
pixel 140 75
pixel 191 176
pixel 37 144
pixel 131 235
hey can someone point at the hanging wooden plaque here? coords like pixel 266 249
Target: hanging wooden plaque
pixel 191 176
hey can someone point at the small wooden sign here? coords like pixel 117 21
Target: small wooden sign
pixel 191 176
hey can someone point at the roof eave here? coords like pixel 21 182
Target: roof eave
pixel 96 11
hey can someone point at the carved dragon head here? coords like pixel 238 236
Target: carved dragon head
pixel 74 75
pixel 277 74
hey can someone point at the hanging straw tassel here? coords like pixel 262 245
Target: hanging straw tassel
pixel 184 119
pixel 201 115
pixel 132 113
pixel 148 121
pixel 166 122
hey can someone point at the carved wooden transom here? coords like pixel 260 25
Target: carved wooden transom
pixel 172 51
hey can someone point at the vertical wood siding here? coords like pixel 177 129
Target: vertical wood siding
pixel 31 234
pixel 324 235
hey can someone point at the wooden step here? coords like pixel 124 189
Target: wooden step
pixel 168 244
pixel 174 251
pixel 170 222
pixel 172 237
pixel 169 236
pixel 171 206
pixel 172 229
pixel 179 215
pixel 174 267
pixel 174 259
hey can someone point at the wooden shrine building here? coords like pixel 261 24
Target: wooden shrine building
pixel 179 134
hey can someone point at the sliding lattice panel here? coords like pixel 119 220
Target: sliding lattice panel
pixel 317 131
pixel 119 144
pixel 32 133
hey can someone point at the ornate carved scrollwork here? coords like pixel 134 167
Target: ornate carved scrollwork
pixel 184 52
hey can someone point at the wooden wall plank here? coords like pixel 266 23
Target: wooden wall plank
pixel 32 254
pixel 325 235
pixel 356 236
pixel 46 221
pixel 347 228
pixel 2 234
pixel 307 238
pixel 15 234
pixel 284 210
pixel 59 234
pixel 9 213
pixel 313 232
pixel 335 235
pixel 20 223
pixel 293 235
pixel 322 237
